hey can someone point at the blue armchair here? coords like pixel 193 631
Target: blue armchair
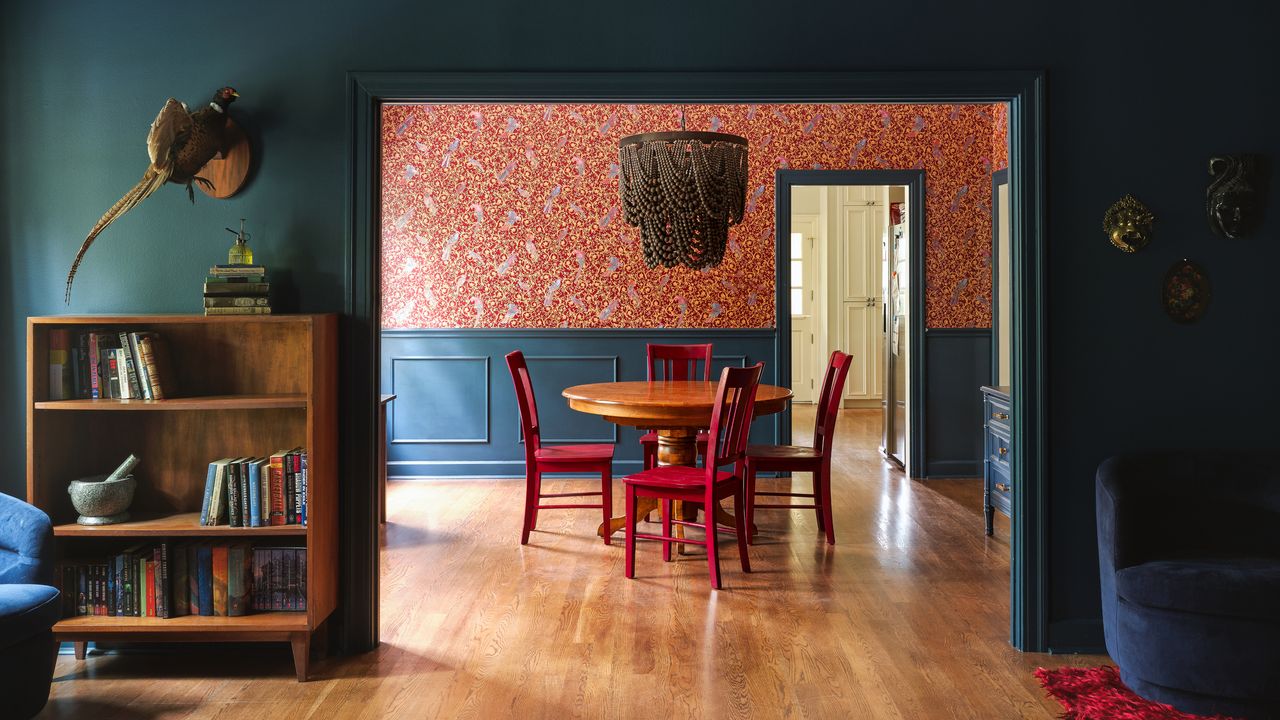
pixel 29 607
pixel 1189 553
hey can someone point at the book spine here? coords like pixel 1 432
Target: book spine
pixel 113 374
pixel 246 288
pixel 220 580
pixel 245 520
pixel 95 368
pixel 290 490
pixel 255 494
pixel 151 588
pixel 302 579
pixel 59 364
pixel 297 488
pixel 233 494
pixel 305 493
pixel 162 584
pixel 277 490
pixel 233 270
pixel 235 278
pixel 139 367
pixel 109 597
pixel 236 301
pixel 216 499
pixel 117 572
pixel 277 595
pixel 238 580
pixel 205 580
pixel 237 311
pixel 178 600
pixel 193 580
pixel 142 583
pixel 82 356
pixel 147 357
pixel 131 372
pixel 208 493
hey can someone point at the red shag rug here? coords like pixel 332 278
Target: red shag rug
pixel 1098 694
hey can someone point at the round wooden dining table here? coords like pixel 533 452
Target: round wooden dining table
pixel 675 409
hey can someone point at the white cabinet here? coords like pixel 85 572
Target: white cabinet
pixel 861 195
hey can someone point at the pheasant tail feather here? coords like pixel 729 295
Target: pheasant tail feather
pixel 151 181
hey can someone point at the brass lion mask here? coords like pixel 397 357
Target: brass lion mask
pixel 1128 224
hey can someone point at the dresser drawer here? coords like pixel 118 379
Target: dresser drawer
pixel 1000 448
pixel 1000 488
pixel 998 413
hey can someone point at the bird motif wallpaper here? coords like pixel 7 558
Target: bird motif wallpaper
pixel 507 215
pixel 1000 138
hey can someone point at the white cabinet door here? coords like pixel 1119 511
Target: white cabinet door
pixel 858 385
pixel 803 300
pixel 864 230
pixel 861 195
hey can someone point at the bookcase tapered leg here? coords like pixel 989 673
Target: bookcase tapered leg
pixel 301 642
pixel 81 648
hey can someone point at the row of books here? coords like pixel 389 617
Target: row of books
pixel 256 491
pixel 169 580
pixel 237 290
pixel 108 364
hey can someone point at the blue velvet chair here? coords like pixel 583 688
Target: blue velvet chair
pixel 1189 549
pixel 29 606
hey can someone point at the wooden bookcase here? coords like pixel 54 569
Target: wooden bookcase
pixel 248 385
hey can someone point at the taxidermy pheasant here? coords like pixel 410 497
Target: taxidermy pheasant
pixel 180 143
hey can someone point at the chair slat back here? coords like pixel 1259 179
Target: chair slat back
pixel 829 402
pixel 524 398
pixel 678 362
pixel 731 418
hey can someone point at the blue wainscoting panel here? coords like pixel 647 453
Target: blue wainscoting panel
pixel 957 363
pixel 440 399
pixel 455 411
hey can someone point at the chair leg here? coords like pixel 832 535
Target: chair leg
pixel 537 500
pixel 740 520
pixel 530 500
pixel 748 507
pixel 826 505
pixel 631 532
pixel 606 498
pixel 713 549
pixel 666 529
pixel 650 455
pixel 818 501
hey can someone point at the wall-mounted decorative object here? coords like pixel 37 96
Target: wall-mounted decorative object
pixel 1233 204
pixel 104 499
pixel 229 169
pixel 1186 291
pixel 180 143
pixel 1128 224
pixel 683 190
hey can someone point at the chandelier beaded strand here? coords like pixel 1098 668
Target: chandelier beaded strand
pixel 683 190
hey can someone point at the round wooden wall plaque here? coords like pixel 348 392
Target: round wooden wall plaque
pixel 229 168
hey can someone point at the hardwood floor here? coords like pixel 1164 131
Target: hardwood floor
pixel 906 617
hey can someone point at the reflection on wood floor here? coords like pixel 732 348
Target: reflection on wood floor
pixel 907 617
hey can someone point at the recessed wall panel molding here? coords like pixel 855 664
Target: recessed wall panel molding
pixel 439 399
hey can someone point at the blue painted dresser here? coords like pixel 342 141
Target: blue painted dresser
pixel 997 442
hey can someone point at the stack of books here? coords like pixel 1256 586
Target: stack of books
pixel 236 290
pixel 168 580
pixel 108 364
pixel 256 491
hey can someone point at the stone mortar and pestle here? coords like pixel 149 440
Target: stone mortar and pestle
pixel 105 499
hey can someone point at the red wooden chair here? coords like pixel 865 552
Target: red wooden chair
pixel 793 458
pixel 554 459
pixel 675 362
pixel 730 424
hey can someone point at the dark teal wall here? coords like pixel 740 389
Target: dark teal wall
pixel 1138 101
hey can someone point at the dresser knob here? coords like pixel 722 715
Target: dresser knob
pixel 1002 487
pixel 999 416
pixel 1003 451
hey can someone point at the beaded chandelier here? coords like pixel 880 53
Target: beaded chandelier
pixel 683 190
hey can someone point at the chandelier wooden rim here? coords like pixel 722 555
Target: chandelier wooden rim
pixel 673 136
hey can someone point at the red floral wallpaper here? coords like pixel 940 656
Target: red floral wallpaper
pixel 1000 138
pixel 508 215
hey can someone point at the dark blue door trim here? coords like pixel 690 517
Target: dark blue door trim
pixel 914 180
pixel 1024 91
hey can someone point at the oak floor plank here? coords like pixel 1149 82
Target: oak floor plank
pixel 907 617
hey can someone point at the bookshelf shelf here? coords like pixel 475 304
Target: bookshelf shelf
pixel 208 402
pixel 105 625
pixel 243 385
pixel 176 525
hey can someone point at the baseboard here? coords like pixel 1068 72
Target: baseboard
pixel 953 469
pixel 1082 636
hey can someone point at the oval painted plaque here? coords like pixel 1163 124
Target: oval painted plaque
pixel 1186 291
pixel 228 169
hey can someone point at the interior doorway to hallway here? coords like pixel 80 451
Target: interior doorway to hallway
pixel 849 264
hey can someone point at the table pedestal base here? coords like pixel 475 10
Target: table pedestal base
pixel 676 446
